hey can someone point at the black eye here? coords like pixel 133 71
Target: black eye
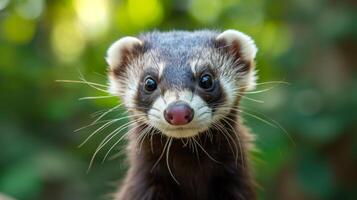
pixel 150 84
pixel 206 81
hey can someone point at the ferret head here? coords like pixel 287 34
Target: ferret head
pixel 181 83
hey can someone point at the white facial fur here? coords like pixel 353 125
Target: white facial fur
pixel 114 59
pixel 127 86
pixel 202 114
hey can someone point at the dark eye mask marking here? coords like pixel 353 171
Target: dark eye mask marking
pixel 145 99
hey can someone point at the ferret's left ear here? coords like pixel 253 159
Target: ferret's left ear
pixel 242 49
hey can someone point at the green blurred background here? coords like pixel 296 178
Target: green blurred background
pixel 312 44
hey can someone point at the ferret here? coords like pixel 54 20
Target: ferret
pixel 182 90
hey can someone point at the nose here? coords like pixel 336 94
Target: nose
pixel 178 113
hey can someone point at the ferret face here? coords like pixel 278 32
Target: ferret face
pixel 181 83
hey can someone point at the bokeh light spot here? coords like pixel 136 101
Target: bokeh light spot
pixel 3 4
pixel 275 40
pixel 205 11
pixel 93 16
pixel 144 13
pixel 30 9
pixel 17 29
pixel 67 41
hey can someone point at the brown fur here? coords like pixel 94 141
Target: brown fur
pixel 199 177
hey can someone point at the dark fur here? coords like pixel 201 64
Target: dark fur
pixel 200 177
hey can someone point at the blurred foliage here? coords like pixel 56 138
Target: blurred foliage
pixel 312 44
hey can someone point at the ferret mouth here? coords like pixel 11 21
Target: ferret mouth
pixel 181 128
pixel 182 132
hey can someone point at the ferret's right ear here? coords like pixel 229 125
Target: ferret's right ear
pixel 119 55
pixel 121 51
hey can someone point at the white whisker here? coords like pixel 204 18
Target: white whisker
pixel 209 156
pixel 97 97
pixel 167 161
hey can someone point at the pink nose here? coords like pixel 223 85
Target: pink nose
pixel 178 113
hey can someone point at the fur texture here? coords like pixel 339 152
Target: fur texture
pixel 206 158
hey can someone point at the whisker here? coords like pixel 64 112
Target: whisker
pixel 96 97
pixel 264 83
pixel 167 161
pixel 227 135
pixel 268 121
pixel 117 155
pixel 237 139
pixel 277 124
pixel 81 82
pixel 112 147
pixel 258 91
pixel 100 122
pixel 160 157
pixel 115 132
pixel 90 84
pixel 209 156
pixel 106 140
pixel 203 113
pixel 142 136
pixel 251 99
pixel 194 149
pixel 235 108
pixel 105 113
pixel 151 142
pixel 256 117
pixel 90 125
pixel 95 114
pixel 96 131
pixel 103 127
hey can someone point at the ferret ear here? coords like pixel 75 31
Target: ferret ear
pixel 119 55
pixel 121 51
pixel 240 45
pixel 242 49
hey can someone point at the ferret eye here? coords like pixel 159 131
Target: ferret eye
pixel 150 84
pixel 206 81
